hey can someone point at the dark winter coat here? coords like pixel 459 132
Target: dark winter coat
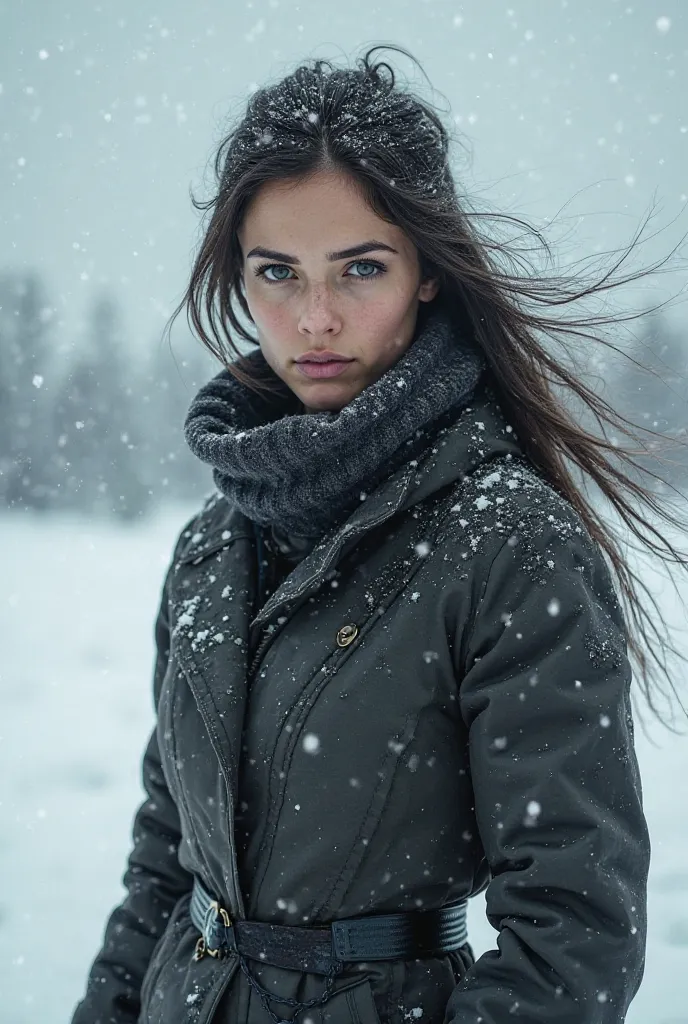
pixel 477 732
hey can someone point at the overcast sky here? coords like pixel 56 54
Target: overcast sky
pixel 110 113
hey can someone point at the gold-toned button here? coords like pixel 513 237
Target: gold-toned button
pixel 347 634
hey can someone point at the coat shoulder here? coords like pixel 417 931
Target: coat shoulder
pixel 207 529
pixel 507 500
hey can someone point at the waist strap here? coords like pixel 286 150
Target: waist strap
pixel 319 949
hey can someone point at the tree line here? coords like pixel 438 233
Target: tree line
pixel 97 427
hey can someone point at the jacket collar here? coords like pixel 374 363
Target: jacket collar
pixel 480 434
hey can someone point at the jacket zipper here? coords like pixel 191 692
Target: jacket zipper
pixel 258 656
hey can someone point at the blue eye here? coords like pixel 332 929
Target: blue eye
pixel 260 271
pixel 365 263
pixel 380 268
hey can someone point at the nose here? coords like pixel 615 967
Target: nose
pixel 319 318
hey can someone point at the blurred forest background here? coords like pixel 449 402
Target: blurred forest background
pixel 93 429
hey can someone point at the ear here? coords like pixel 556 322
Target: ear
pixel 428 289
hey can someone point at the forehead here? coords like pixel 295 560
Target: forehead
pixel 323 208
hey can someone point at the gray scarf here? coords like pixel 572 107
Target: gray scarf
pixel 302 473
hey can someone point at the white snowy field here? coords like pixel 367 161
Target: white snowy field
pixel 76 652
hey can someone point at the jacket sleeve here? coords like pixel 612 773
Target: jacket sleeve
pixel 558 800
pixel 154 880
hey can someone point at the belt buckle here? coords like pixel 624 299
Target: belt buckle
pixel 218 938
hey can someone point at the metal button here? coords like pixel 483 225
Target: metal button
pixel 347 634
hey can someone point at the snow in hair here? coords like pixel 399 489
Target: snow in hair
pixel 350 115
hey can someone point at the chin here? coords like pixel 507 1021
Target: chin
pixel 327 398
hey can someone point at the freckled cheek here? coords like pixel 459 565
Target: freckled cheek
pixel 271 320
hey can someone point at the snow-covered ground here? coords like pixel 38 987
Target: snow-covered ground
pixel 76 653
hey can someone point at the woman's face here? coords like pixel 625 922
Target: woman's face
pixel 329 321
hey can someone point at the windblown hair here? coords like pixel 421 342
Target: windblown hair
pixel 360 122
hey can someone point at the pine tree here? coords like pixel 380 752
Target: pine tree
pixel 26 380
pixel 97 465
pixel 655 395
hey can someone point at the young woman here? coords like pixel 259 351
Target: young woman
pixel 392 667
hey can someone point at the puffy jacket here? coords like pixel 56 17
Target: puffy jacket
pixel 476 733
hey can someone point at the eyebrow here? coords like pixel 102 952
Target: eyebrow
pixel 342 254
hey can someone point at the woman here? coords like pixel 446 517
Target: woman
pixel 391 664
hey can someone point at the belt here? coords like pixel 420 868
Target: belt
pixel 323 949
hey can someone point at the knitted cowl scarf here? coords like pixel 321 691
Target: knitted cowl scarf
pixel 302 473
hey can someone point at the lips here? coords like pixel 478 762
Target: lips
pixel 322 364
pixel 323 368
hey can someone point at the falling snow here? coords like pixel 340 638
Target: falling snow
pixel 311 743
pixel 617 119
pixel 533 811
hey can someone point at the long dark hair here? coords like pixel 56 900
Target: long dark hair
pixel 357 120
